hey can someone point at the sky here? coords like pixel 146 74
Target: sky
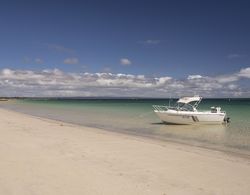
pixel 139 48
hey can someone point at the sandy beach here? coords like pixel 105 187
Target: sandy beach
pixel 40 156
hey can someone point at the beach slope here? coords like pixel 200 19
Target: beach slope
pixel 40 156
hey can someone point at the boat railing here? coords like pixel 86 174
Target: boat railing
pixel 160 108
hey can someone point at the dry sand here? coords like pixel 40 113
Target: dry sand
pixel 45 157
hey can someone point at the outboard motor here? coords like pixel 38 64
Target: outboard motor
pixel 227 120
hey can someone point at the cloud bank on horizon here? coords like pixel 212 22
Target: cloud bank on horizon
pixel 160 48
pixel 54 82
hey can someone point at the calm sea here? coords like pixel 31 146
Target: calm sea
pixel 136 116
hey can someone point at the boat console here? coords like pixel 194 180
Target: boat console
pixel 215 109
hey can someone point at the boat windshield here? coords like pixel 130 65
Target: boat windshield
pixel 184 107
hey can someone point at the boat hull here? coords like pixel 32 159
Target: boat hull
pixel 185 118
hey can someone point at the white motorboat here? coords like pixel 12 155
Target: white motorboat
pixel 185 112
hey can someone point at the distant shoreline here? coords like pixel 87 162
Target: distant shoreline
pixel 4 99
pixel 115 98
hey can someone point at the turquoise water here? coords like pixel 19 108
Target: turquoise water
pixel 135 116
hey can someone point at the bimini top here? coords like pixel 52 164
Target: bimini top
pixel 187 100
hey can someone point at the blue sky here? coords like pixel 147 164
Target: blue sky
pixel 205 41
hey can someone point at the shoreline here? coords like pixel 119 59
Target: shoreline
pixel 44 156
pixel 243 153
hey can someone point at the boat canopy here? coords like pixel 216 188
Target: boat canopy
pixel 186 100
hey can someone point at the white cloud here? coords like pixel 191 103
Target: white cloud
pixel 142 77
pixel 244 72
pixel 71 61
pixel 190 77
pixel 7 72
pixel 232 86
pixel 125 62
pixel 162 80
pixel 227 78
pixel 54 82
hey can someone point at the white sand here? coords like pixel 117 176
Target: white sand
pixel 44 157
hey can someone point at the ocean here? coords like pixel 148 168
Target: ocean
pixel 136 117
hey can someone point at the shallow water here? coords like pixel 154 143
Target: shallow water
pixel 135 116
